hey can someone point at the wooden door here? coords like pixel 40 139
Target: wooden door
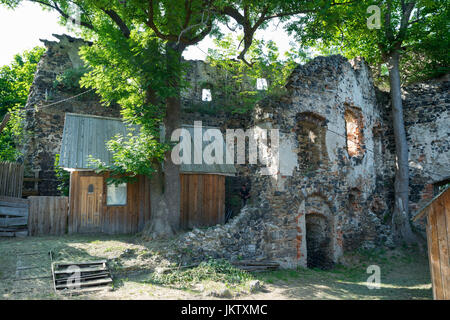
pixel 91 196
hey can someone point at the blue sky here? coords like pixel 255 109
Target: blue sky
pixel 22 28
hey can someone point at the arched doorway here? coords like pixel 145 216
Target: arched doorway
pixel 318 241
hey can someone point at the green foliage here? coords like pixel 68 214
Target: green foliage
pixel 124 71
pixel 236 85
pixel 134 154
pixel 69 80
pixel 15 83
pixel 62 176
pixel 423 41
pixel 211 270
pixel 137 46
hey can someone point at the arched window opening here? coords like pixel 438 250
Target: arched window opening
pixel 354 132
pixel 311 133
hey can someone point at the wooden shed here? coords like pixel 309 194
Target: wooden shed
pixel 437 212
pixel 95 206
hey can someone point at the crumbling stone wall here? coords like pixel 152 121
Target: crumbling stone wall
pixel 44 120
pixel 427 118
pixel 345 182
pixel 333 185
pixel 347 195
pixel 336 186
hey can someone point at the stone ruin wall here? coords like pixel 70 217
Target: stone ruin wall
pixel 427 118
pixel 346 196
pixel 343 192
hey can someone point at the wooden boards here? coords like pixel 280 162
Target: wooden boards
pixel 111 219
pixel 13 217
pixel 81 276
pixel 11 179
pixel 438 236
pixel 256 266
pixel 48 215
pixel 202 200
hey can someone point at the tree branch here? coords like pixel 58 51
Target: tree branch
pixel 4 121
pixel 406 15
pixel 62 13
pixel 151 24
pixel 119 22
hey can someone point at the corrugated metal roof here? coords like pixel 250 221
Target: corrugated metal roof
pixel 226 169
pixel 86 135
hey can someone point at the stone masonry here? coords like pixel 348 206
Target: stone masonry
pixel 332 189
pixel 307 213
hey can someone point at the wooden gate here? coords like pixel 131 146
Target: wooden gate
pixel 438 238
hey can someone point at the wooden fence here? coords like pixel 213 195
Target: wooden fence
pixel 11 179
pixel 48 215
pixel 13 216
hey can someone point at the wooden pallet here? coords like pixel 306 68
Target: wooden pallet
pixel 81 276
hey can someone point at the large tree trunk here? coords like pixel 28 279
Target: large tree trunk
pixel 400 217
pixel 166 188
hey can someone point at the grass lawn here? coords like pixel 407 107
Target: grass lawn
pixel 149 270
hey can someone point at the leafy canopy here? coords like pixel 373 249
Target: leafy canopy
pixel 237 81
pixel 15 83
pixel 422 39
pixel 137 43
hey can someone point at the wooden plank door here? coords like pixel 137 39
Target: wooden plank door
pixel 91 196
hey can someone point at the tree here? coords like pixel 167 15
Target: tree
pixel 381 31
pixel 237 76
pixel 15 83
pixel 137 56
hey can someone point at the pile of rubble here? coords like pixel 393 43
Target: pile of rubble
pixel 242 237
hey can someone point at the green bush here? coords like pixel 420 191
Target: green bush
pixel 69 80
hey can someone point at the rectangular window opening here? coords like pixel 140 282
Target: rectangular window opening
pixel 116 195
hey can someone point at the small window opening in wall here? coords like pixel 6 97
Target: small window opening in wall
pixel 91 188
pixel 311 133
pixel 116 195
pixel 354 132
pixel 206 95
pixel 261 84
